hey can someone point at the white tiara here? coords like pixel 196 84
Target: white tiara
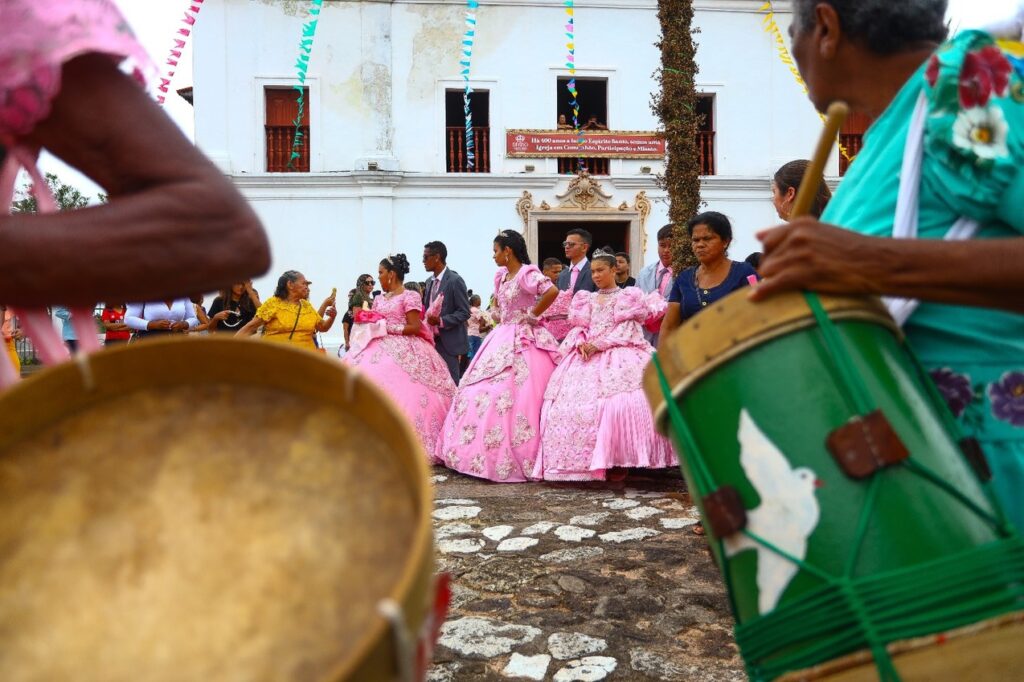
pixel 388 258
pixel 504 233
pixel 601 252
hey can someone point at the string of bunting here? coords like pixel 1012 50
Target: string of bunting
pixel 772 28
pixel 302 65
pixel 570 32
pixel 178 47
pixel 467 56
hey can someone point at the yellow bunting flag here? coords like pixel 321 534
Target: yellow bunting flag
pixel 772 28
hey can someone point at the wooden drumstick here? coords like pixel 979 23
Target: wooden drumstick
pixel 837 113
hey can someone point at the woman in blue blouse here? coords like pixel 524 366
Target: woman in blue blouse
pixel 698 287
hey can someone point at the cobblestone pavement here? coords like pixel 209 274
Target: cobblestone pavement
pixel 579 582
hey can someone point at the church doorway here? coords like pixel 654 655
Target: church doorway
pixel 606 233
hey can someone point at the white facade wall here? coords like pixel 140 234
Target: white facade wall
pixel 377 79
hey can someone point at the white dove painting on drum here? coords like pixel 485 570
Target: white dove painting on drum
pixel 786 517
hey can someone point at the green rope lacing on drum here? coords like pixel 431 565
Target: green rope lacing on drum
pixel 852 612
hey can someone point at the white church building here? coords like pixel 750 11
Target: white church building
pixel 383 167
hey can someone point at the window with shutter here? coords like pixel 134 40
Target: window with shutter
pixel 282 107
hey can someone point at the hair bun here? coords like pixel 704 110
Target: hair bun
pixel 401 263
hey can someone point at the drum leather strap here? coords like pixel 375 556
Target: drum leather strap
pixel 908 203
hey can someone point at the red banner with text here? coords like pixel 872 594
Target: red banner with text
pixel 607 144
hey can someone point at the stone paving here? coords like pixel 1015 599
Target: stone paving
pixel 579 582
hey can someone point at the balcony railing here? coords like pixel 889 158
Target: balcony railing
pixel 852 143
pixel 279 149
pixel 706 152
pixel 455 151
pixel 569 166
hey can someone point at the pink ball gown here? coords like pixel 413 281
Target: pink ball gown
pixel 493 427
pixel 595 415
pixel 407 368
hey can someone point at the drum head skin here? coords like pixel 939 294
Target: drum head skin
pixel 206 510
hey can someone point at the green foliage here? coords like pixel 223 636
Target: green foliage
pixel 68 198
pixel 676 105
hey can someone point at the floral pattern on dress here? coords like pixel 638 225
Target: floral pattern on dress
pixel 501 393
pixel 971 84
pixel 955 388
pixel 495 437
pixel 504 403
pixel 602 394
pixel 483 401
pixel 1007 398
pixel 523 431
pixel 408 369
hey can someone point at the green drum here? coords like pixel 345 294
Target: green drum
pixel 846 514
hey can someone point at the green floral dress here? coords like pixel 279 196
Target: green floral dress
pixel 973 156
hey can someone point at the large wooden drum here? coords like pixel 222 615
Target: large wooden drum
pixel 209 510
pixel 853 526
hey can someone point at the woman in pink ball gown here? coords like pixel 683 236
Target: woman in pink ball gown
pixel 493 427
pixel 595 415
pixel 403 362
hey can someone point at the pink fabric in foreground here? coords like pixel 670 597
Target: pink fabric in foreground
pixel 595 415
pixel 407 368
pixel 38 39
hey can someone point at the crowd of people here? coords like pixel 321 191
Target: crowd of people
pixel 929 215
pixel 542 383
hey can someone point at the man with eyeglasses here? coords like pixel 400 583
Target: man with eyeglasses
pixel 577 277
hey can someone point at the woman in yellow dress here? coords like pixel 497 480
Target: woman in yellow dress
pixel 289 317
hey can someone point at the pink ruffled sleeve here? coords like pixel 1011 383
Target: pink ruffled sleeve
pixel 634 304
pixel 411 301
pixel 579 309
pixel 40 37
pixel 630 305
pixel 534 282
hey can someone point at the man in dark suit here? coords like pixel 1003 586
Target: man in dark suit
pixel 576 277
pixel 452 340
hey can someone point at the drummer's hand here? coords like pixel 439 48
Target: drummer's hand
pixel 159 324
pixel 807 255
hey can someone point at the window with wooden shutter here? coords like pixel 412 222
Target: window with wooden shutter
pixel 455 151
pixel 282 106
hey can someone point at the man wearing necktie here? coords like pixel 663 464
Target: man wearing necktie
pixel 452 339
pixel 658 276
pixel 576 277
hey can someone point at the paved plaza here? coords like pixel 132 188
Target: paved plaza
pixel 584 581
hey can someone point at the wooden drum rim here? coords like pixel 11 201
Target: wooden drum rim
pixel 733 326
pixel 66 389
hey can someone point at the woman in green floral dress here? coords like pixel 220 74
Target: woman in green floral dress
pixel 941 171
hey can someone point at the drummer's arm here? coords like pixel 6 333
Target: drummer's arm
pixel 673 318
pixel 808 255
